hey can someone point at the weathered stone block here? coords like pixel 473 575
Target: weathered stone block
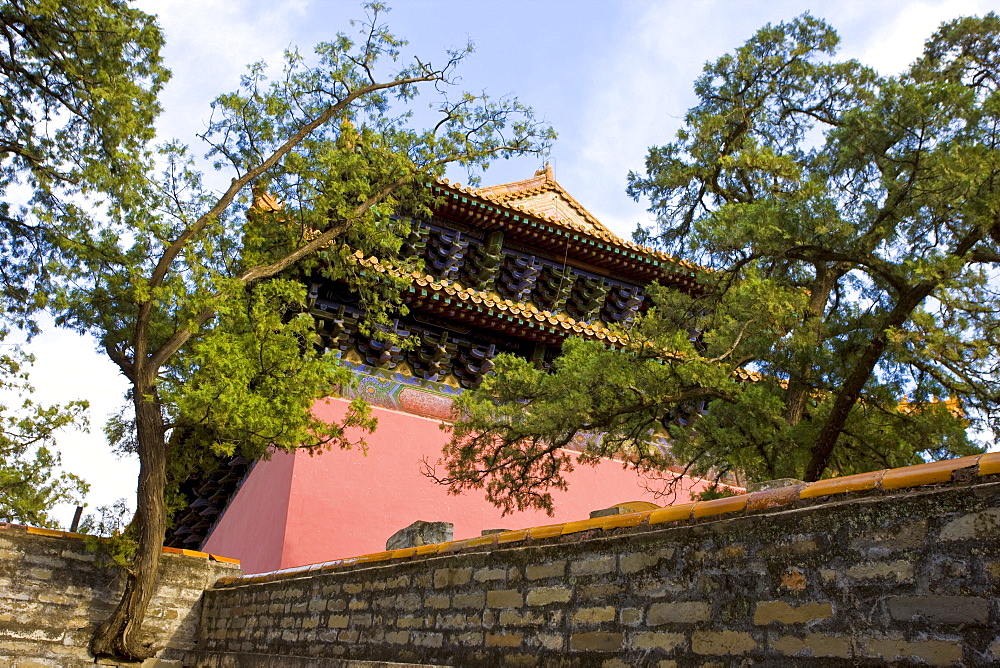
pixel 470 638
pixel 633 563
pixel 596 641
pixel 556 569
pixel 934 652
pixel 597 591
pixel 793 580
pixel 337 621
pixel 939 609
pixel 907 534
pixel 428 639
pixel 397 637
pixel 813 644
pixel 410 622
pixel 503 639
pixel 973 526
pixel 548 595
pixel 722 642
pixel 489 574
pixel 594 615
pixel 685 612
pixel 550 641
pixel 899 571
pixel 658 640
pixel 474 600
pixel 452 577
pixel 630 616
pixel 438 602
pixel 598 566
pixel 515 618
pixel 769 612
pixel 408 602
pixel 421 533
pixel 504 598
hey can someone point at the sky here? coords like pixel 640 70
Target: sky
pixel 613 78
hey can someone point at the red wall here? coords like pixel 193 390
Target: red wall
pixel 299 509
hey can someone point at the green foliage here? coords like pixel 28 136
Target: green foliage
pixel 110 535
pixel 192 293
pixel 852 221
pixel 79 83
pixel 712 493
pixel 249 383
pixel 31 483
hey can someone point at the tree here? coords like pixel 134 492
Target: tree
pixel 79 84
pixel 192 294
pixel 30 483
pixel 850 227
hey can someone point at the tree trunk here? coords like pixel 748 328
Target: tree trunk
pixel 870 356
pixel 119 635
pixel 800 387
pixel 860 373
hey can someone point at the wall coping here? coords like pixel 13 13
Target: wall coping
pixel 964 470
pixel 56 533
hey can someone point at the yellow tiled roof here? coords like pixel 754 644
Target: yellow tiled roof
pixel 507 195
pixel 524 310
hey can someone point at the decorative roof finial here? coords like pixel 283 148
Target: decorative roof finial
pixel 547 172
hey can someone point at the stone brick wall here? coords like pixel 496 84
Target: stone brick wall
pixel 906 570
pixel 53 593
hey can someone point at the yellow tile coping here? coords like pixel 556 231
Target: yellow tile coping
pixel 404 553
pixel 671 513
pixel 582 525
pixel 434 548
pixel 926 474
pixel 376 556
pixel 546 531
pixel 851 483
pixel 730 504
pixel 625 520
pixel 479 541
pixel 512 536
pixel 989 464
pixel 225 560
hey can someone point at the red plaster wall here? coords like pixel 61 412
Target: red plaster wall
pixel 344 503
pixel 254 524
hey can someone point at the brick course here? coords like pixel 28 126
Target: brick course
pixel 53 593
pixel 870 577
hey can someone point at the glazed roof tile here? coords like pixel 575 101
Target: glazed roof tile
pixel 952 471
pixel 524 310
pixel 509 195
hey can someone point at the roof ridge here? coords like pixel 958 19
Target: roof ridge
pixel 600 232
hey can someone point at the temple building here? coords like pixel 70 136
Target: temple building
pixel 514 268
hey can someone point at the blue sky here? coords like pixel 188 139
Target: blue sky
pixel 612 77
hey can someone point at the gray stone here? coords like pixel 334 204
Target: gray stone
pixel 420 533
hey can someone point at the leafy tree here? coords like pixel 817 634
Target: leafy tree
pixel 851 223
pixel 193 293
pixel 30 482
pixel 79 83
